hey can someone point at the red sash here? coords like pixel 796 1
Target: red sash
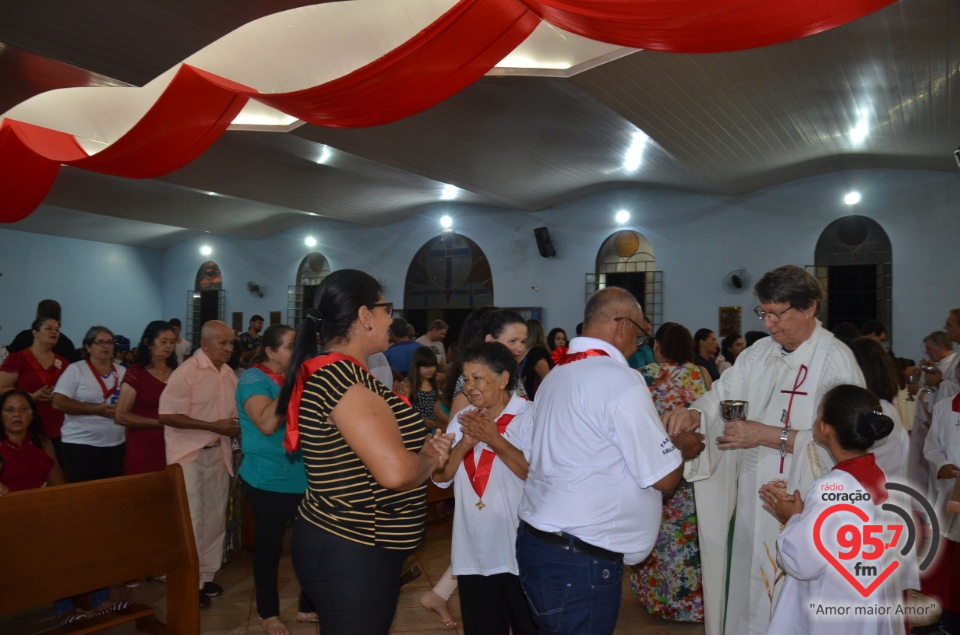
pixel 956 404
pixel 103 386
pixel 558 354
pixel 291 440
pixel 277 378
pixel 48 376
pixel 566 358
pixel 479 474
pixel 865 470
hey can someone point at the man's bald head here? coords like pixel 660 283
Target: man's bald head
pixel 216 341
pixel 614 316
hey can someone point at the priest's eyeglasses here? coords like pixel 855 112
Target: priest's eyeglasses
pixel 770 315
pixel 643 337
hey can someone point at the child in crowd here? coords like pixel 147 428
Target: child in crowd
pixel 816 597
pixel 425 396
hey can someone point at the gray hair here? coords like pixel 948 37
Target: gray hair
pixel 939 338
pixel 789 284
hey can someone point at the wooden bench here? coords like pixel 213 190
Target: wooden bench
pixel 57 542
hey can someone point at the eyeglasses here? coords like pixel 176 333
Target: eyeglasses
pixel 102 343
pixel 644 335
pixel 386 305
pixel 773 317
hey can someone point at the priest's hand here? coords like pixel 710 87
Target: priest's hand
pixel 780 504
pixel 680 420
pixel 741 434
pixel 690 444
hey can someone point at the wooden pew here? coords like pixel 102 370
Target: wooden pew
pixel 57 542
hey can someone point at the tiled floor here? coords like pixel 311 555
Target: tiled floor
pixel 234 613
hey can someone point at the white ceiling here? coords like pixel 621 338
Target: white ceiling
pixel 873 93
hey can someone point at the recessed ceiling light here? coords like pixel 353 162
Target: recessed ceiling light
pixel 310 241
pixel 449 192
pixel 852 198
pixel 446 222
pixel 206 250
pixel 622 216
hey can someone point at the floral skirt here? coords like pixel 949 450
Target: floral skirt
pixel 668 582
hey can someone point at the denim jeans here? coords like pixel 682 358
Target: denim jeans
pixel 569 592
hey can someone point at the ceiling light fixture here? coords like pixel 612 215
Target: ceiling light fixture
pixel 852 198
pixel 861 131
pixel 446 222
pixel 205 250
pixel 622 216
pixel 449 192
pixel 325 155
pixel 310 241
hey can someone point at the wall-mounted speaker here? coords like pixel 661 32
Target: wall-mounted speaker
pixel 544 242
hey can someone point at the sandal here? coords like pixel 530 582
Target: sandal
pixel 438 606
pixel 71 617
pixel 116 607
pixel 273 626
pixel 310 618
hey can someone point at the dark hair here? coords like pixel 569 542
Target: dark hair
pixel 91 336
pixel 846 332
pixel 272 338
pixel 790 284
pixel 497 321
pixel 726 346
pixel 535 336
pixel 855 414
pixel 873 327
pixel 879 370
pixel 675 343
pixel 150 334
pixel 336 306
pixel 471 332
pixel 752 337
pixel 35 429
pixel 552 337
pixel 50 309
pixel 256 318
pixel 399 328
pixel 700 336
pixel 175 322
pixel 423 357
pixel 38 323
pixel 496 357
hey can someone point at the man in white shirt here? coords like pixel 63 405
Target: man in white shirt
pixel 938 351
pixel 945 379
pixel 599 460
pixel 434 339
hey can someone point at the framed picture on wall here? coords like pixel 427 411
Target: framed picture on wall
pixel 729 321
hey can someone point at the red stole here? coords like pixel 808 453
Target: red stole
pixel 955 405
pixel 479 473
pixel 864 469
pixel 103 386
pixel 276 377
pixel 566 358
pixel 291 440
pixel 48 376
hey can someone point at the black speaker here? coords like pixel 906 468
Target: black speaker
pixel 544 242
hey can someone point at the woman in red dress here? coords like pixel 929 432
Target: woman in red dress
pixel 140 398
pixel 35 371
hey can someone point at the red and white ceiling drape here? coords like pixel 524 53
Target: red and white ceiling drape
pixel 446 55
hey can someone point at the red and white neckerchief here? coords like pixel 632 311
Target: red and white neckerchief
pixel 479 472
pixel 801 377
pixel 103 386
pixel 566 358
pixel 47 375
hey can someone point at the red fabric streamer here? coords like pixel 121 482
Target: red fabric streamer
pixel 447 56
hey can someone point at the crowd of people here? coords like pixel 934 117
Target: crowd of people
pixel 573 461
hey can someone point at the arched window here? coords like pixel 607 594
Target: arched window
pixel 205 301
pixel 312 270
pixel 626 259
pixel 448 277
pixel 854 263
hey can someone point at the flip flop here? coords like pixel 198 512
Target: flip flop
pixel 71 618
pixel 277 627
pixel 447 621
pixel 116 607
pixel 310 618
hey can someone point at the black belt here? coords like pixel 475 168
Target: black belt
pixel 568 542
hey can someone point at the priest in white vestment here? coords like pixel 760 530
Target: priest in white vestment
pixel 783 378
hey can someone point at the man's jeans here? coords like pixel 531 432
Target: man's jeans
pixel 569 592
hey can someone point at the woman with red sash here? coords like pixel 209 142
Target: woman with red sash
pixel 274 481
pixel 367 457
pixel 35 370
pixel 814 549
pixel 487 468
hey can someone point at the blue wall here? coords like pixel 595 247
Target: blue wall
pixel 696 239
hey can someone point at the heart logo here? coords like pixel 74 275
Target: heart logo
pixel 862 515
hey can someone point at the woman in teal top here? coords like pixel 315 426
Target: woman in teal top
pixel 274 480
